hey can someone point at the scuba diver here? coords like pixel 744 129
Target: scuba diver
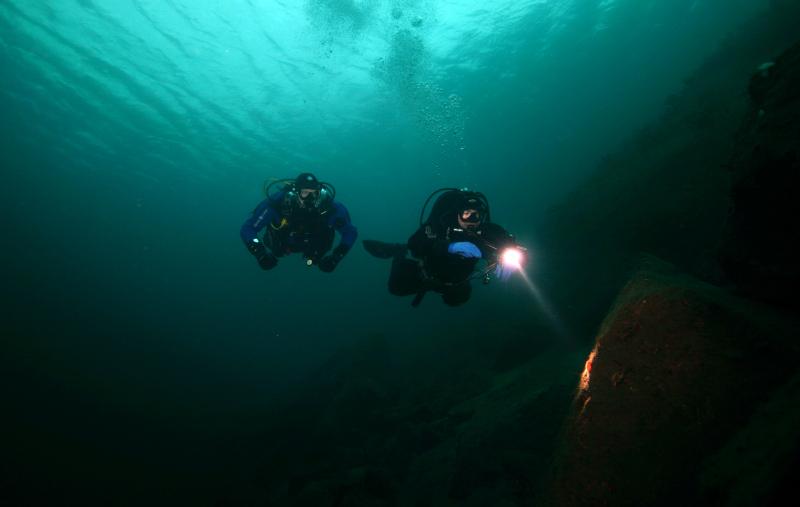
pixel 300 217
pixel 447 247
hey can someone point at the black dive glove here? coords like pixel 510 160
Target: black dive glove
pixel 265 258
pixel 329 262
pixel 267 261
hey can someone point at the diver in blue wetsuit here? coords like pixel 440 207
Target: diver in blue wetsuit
pixel 447 247
pixel 301 217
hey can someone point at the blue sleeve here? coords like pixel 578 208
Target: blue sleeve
pixel 341 222
pixel 261 216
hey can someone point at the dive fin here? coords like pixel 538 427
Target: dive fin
pixel 383 250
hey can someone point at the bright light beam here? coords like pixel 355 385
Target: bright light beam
pixel 544 305
pixel 512 257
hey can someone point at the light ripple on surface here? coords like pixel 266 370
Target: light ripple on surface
pixel 231 82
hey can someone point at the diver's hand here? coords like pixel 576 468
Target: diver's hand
pixel 264 257
pixel 266 260
pixel 328 263
pixel 464 249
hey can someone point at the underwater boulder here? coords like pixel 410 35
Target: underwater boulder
pixel 679 366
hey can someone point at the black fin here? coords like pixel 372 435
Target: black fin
pixel 383 250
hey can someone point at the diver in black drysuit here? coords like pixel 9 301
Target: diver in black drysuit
pixel 446 249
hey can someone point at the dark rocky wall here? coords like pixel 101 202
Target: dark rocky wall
pixel 690 395
pixel 761 253
pixel 667 191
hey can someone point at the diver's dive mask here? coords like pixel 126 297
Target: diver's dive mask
pixel 471 216
pixel 308 197
pixel 470 219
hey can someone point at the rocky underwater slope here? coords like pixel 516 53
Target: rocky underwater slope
pixel 688 393
pixel 689 396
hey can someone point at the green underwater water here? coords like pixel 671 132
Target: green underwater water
pixel 142 347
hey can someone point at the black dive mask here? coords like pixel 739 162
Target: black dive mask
pixel 471 216
pixel 310 199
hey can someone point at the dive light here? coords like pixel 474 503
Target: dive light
pixel 512 257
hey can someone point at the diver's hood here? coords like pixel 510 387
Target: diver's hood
pixel 451 202
pixel 291 193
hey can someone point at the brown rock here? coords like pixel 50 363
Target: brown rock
pixel 678 367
